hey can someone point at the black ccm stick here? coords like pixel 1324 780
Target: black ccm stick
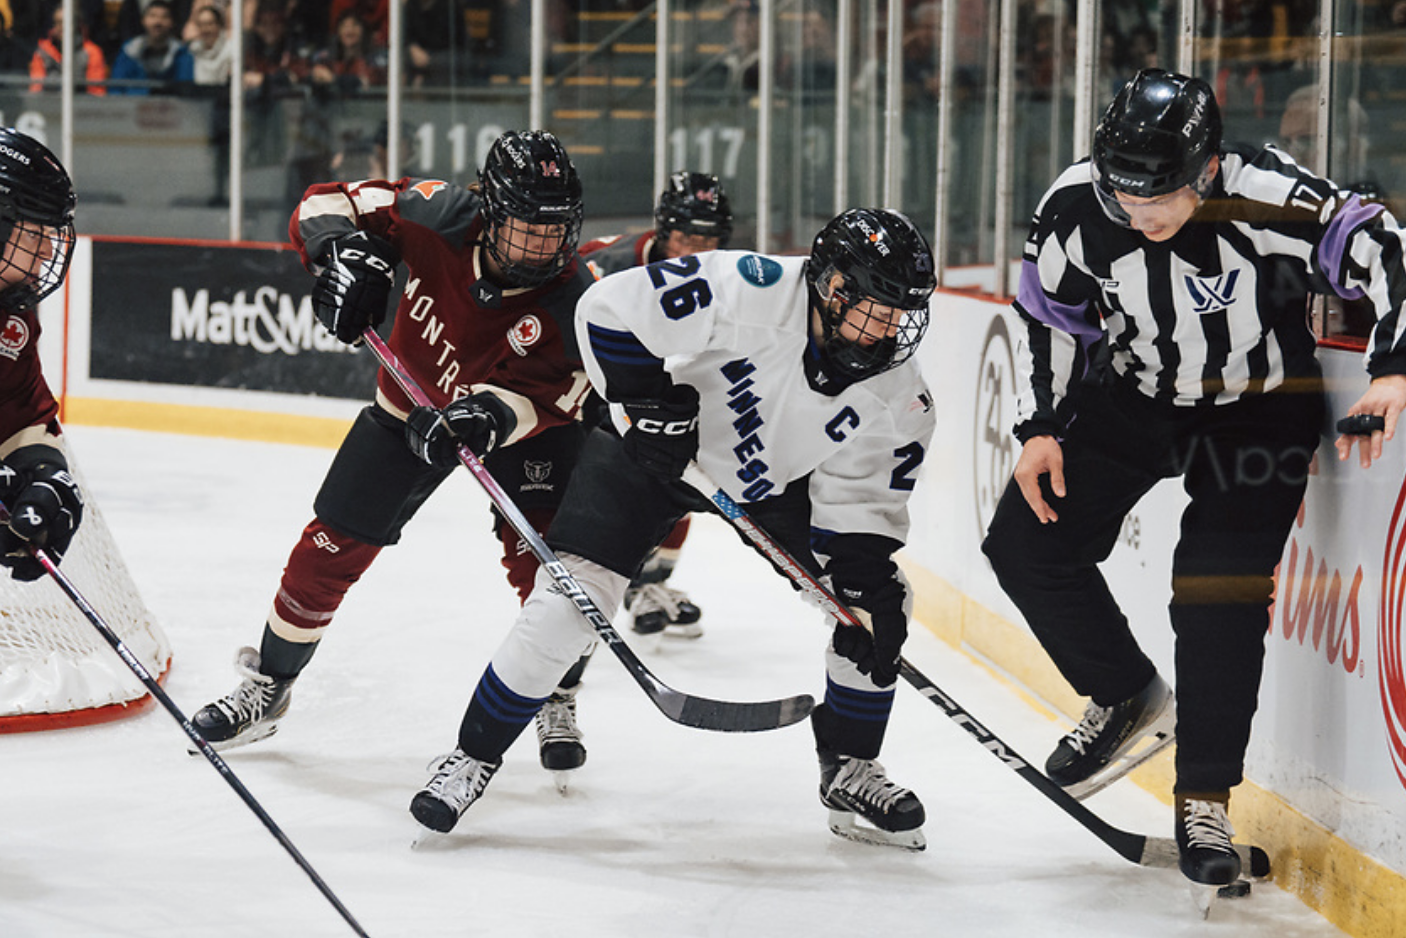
pixel 698 712
pixel 1159 852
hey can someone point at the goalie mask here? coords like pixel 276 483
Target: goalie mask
pixel 1159 134
pixel 695 204
pixel 36 220
pixel 531 206
pixel 870 276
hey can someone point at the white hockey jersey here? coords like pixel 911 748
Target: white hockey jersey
pixel 734 325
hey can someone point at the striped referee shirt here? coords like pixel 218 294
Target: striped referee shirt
pixel 1215 313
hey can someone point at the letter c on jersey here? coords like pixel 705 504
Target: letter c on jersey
pixel 835 429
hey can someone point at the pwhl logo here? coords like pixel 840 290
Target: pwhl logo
pixel 1389 671
pixel 1212 294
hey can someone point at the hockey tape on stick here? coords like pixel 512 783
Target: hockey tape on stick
pixel 699 712
pixel 165 700
pixel 1146 851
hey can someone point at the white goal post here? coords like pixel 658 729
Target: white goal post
pixel 56 670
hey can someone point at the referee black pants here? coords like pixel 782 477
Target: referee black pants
pixel 1245 467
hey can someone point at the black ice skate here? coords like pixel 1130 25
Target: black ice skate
pixel 661 609
pixel 251 712
pixel 856 790
pixel 456 781
pixel 558 736
pixel 1208 858
pixel 1110 742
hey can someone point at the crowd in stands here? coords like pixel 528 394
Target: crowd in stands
pixel 330 47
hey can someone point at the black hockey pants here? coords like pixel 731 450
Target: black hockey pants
pixel 1245 467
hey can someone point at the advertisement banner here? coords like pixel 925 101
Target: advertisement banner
pixel 216 316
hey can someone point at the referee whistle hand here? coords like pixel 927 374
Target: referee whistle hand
pixel 1385 398
pixel 1041 456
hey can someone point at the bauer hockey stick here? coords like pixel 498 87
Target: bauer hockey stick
pixel 698 712
pixel 165 700
pixel 1146 851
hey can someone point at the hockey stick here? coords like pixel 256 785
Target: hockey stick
pixel 1159 852
pixel 698 712
pixel 165 700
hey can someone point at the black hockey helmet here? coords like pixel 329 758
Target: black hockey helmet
pixel 528 175
pixel 36 193
pixel 695 204
pixel 881 256
pixel 1158 135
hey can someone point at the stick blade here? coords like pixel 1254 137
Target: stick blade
pixel 727 716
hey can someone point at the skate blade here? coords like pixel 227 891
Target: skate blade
pixel 243 739
pixel 690 631
pixel 1204 897
pixel 561 778
pixel 1144 749
pixel 846 824
pixel 423 836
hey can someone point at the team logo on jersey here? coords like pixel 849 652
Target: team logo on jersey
pixel 428 187
pixel 14 336
pixel 487 295
pixel 758 270
pixel 524 334
pixel 1212 295
pixel 536 470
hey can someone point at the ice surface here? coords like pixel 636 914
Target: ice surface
pixel 116 831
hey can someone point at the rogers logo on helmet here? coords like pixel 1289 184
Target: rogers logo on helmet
pixel 14 154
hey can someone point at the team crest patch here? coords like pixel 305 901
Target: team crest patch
pixel 536 471
pixel 758 270
pixel 426 188
pixel 524 334
pixel 14 336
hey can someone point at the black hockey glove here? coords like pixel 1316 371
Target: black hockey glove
pixel 478 421
pixel 45 508
pixel 875 651
pixel 663 434
pixel 354 287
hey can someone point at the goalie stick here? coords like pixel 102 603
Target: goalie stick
pixel 1159 852
pixel 156 690
pixel 698 712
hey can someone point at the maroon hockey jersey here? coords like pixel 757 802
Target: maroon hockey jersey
pixel 619 252
pixel 25 398
pixel 457 332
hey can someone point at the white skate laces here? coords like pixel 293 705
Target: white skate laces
pixel 864 780
pixel 458 779
pixel 1208 826
pixel 248 702
pixel 1089 728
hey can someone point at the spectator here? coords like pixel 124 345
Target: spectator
pixel 15 51
pixel 434 36
pixel 213 53
pixel 374 13
pixel 45 65
pixel 272 63
pixel 156 61
pixel 211 48
pixel 353 61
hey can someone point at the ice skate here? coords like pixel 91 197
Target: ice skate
pixel 1110 742
pixel 866 807
pixel 661 610
pixel 559 738
pixel 251 712
pixel 457 780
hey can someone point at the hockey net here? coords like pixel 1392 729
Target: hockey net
pixel 56 669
